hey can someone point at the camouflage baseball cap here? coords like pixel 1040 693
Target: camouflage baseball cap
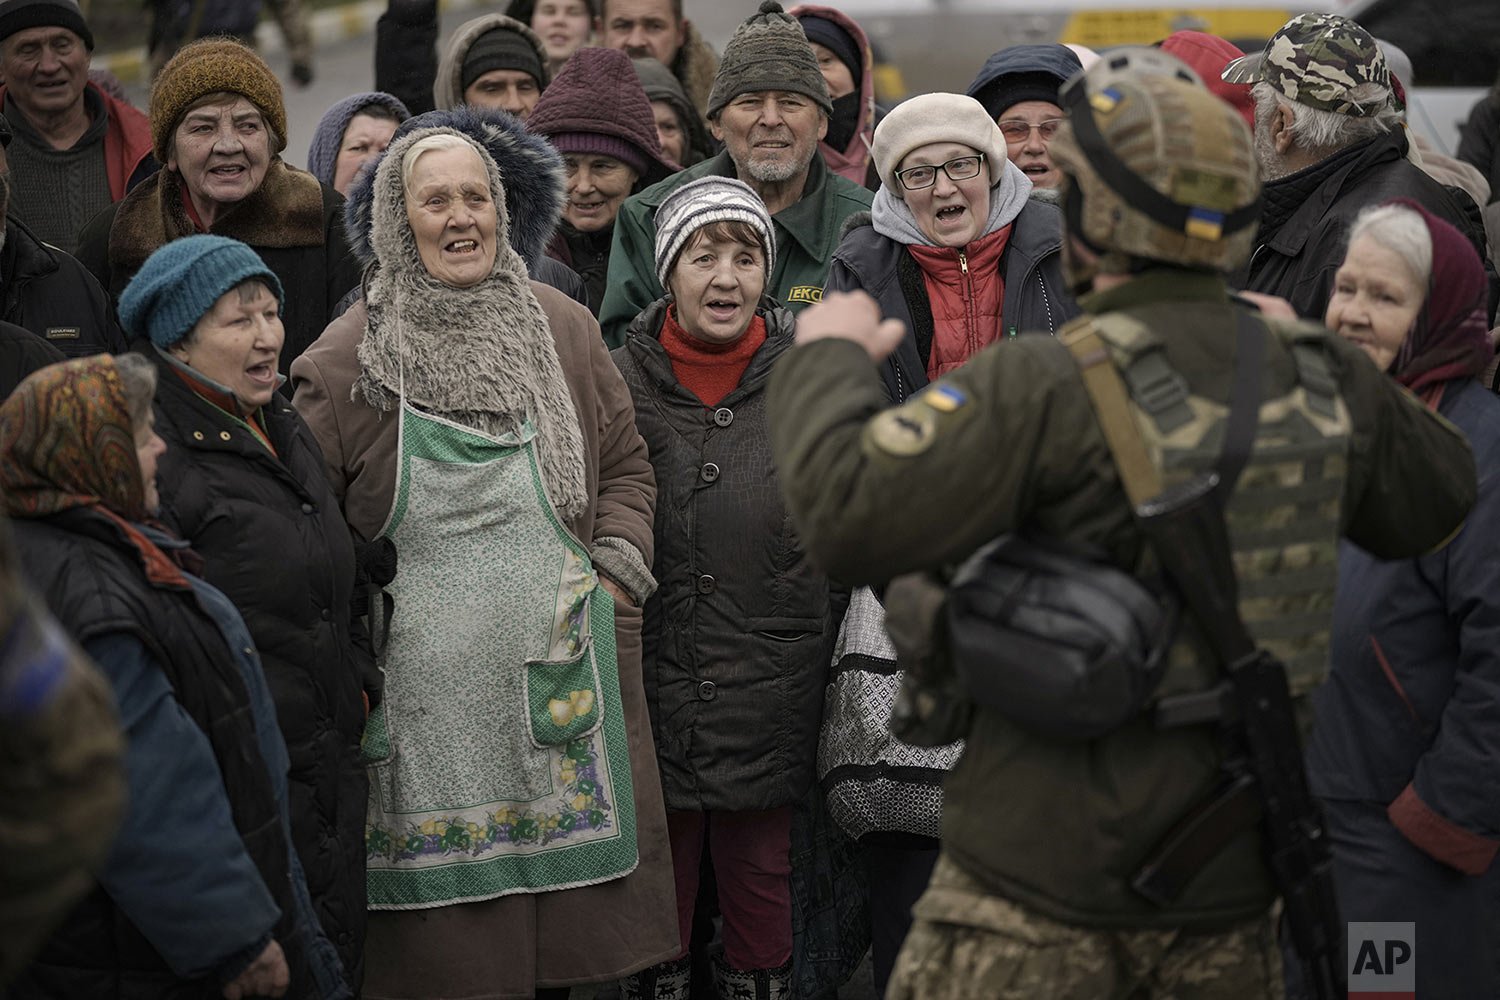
pixel 1316 59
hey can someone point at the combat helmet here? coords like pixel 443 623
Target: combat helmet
pixel 1157 168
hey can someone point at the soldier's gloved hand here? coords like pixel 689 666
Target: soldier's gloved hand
pixel 851 316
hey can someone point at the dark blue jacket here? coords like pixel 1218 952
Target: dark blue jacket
pixel 1409 718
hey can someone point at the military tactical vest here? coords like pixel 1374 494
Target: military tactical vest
pixel 1284 512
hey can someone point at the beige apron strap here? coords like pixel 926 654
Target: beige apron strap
pixel 1112 407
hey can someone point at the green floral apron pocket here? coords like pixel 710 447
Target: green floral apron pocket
pixel 563 698
pixel 375 745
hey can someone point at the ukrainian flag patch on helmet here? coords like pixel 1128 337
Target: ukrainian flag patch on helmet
pixel 1104 102
pixel 1204 224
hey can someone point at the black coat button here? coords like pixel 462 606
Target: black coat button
pixel 706 584
pixel 710 472
pixel 308 508
pixel 707 690
pixel 723 416
pixel 327 615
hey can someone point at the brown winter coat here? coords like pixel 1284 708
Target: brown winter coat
pixel 511 946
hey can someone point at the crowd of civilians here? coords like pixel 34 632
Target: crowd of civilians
pixel 418 507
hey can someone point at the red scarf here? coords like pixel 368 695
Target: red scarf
pixel 710 371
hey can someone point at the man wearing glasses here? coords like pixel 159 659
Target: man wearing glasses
pixel 1018 86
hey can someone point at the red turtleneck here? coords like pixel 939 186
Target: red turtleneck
pixel 709 371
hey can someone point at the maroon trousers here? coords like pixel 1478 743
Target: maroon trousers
pixel 751 856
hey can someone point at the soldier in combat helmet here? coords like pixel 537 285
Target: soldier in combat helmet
pixel 1043 837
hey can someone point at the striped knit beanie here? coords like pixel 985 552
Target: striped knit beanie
pixel 180 283
pixel 702 203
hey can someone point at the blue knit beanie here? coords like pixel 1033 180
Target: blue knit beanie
pixel 180 283
pixel 323 154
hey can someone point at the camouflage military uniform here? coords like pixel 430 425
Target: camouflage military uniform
pixel 968 943
pixel 1047 834
pixel 1042 835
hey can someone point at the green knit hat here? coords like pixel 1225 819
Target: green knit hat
pixel 210 66
pixel 769 51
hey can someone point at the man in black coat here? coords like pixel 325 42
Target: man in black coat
pixel 1330 144
pixel 46 291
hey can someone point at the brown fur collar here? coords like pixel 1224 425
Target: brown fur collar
pixel 285 211
pixel 695 67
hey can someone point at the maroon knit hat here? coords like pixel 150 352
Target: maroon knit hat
pixel 596 104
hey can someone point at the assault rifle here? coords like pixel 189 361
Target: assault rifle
pixel 1264 770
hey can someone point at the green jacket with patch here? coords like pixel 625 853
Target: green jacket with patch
pixel 1010 443
pixel 807 233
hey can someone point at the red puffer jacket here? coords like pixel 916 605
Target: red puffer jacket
pixel 965 289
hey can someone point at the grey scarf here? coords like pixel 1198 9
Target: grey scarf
pixel 892 217
pixel 481 356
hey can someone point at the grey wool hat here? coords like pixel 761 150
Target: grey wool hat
pixel 702 203
pixel 769 51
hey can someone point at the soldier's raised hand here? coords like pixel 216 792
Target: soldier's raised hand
pixel 851 316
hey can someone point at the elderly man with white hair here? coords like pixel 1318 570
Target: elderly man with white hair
pixel 1329 142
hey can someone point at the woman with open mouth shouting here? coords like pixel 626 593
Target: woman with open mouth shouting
pixel 954 248
pixel 219 127
pixel 738 637
pixel 242 480
pixel 515 841
pixel 957 250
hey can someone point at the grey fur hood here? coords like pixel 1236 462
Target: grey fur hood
pixel 531 172
pixel 447 86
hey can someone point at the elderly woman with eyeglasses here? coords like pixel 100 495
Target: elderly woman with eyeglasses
pixel 954 248
pixel 957 250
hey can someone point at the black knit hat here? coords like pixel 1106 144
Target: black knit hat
pixel 502 48
pixel 835 39
pixel 18 15
pixel 769 51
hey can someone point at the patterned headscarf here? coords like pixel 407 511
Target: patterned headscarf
pixel 66 441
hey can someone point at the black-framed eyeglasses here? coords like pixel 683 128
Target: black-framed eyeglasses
pixel 960 168
pixel 1016 130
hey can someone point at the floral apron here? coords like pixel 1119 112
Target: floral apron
pixel 498 760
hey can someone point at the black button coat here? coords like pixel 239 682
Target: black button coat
pixel 738 636
pixel 273 539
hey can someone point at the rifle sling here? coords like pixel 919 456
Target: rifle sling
pixel 1207 830
pixel 1106 390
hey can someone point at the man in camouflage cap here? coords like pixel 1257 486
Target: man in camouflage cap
pixel 1045 831
pixel 1329 139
